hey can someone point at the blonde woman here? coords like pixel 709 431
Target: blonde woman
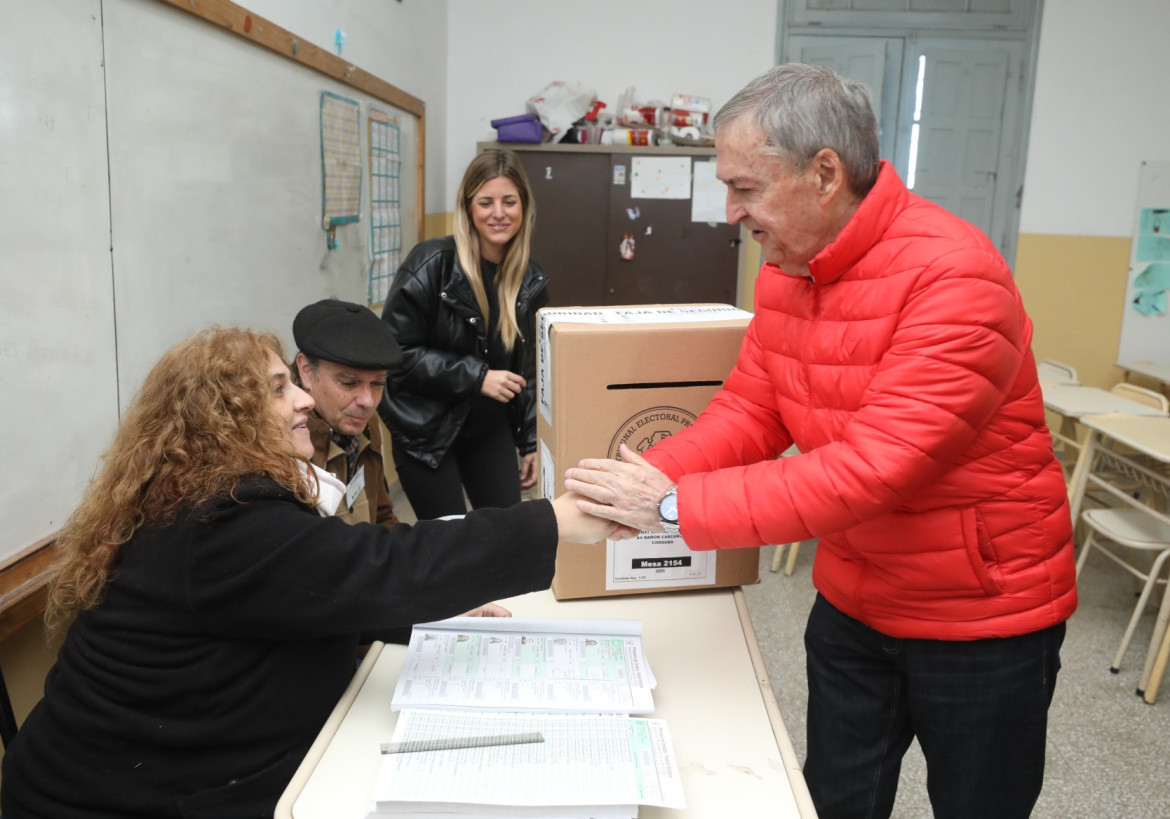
pixel 215 609
pixel 462 404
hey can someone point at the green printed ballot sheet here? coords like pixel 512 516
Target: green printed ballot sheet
pixel 527 664
pixel 584 760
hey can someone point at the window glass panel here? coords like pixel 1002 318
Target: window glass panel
pixel 879 5
pixel 912 166
pixel 938 5
pixel 1003 14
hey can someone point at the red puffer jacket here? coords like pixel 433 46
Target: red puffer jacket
pixel 903 373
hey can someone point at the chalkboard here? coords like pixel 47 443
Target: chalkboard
pixel 1145 323
pixel 161 172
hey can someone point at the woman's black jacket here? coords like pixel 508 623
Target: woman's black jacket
pixel 432 310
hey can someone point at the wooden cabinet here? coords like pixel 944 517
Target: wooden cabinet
pixel 584 210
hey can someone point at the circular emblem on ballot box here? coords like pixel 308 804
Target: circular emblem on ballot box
pixel 648 427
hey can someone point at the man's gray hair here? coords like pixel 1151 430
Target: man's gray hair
pixel 801 109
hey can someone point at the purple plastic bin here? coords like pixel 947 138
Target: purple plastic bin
pixel 523 128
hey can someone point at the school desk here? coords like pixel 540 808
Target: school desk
pixel 1150 369
pixel 1074 401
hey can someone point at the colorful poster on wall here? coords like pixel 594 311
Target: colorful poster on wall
pixel 1153 257
pixel 1145 322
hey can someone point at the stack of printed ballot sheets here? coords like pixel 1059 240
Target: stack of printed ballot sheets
pixel 528 718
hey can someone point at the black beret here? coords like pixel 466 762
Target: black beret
pixel 346 333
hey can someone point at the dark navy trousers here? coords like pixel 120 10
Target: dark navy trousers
pixel 978 708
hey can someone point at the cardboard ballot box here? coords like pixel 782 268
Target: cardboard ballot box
pixel 633 375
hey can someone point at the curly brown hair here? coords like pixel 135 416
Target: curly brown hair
pixel 203 419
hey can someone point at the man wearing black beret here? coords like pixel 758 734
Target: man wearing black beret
pixel 344 351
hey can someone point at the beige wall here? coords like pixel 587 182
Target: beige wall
pixel 439 224
pixel 750 261
pixel 1074 290
pixel 26 658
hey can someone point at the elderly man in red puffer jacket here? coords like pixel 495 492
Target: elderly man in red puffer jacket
pixel 891 346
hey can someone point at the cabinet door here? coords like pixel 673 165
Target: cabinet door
pixel 571 192
pixel 675 260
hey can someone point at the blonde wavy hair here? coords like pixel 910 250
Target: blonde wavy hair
pixel 488 166
pixel 203 419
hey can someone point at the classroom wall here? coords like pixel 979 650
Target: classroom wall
pixel 26 657
pixel 1095 117
pixel 1098 111
pixel 657 47
pixel 1094 111
pixel 504 52
pixel 403 43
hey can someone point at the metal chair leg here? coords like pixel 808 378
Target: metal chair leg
pixel 793 550
pixel 778 557
pixel 1138 609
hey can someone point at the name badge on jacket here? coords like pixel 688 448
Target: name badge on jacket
pixel 355 487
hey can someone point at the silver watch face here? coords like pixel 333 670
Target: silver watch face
pixel 668 508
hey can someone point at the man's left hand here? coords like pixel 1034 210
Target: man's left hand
pixel 625 491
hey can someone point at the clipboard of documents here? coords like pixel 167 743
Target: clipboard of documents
pixel 527 718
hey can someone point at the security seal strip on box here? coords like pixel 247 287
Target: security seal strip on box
pixel 654 314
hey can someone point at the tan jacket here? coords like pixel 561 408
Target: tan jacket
pixel 372 504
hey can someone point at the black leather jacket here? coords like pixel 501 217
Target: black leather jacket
pixel 432 311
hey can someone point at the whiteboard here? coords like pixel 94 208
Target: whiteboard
pixel 58 372
pixel 1145 322
pixel 159 175
pixel 215 173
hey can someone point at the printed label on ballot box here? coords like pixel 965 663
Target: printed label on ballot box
pixel 656 560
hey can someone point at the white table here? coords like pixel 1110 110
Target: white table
pixel 1076 401
pixel 733 750
pixel 1150 369
pixel 1073 402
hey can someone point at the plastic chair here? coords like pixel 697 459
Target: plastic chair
pixel 1051 371
pixel 1057 372
pixel 1141 395
pixel 1136 530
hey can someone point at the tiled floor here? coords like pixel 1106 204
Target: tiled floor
pixel 1108 751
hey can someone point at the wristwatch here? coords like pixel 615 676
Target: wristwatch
pixel 668 511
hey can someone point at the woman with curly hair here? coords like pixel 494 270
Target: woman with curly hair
pixel 213 611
